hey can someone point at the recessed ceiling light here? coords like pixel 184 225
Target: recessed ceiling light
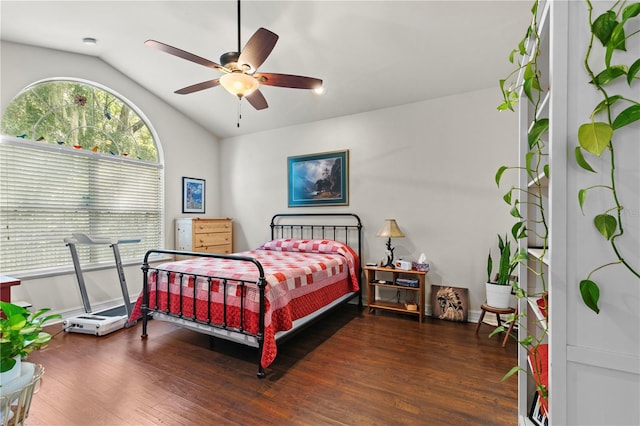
pixel 89 41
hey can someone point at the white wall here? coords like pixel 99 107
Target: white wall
pixel 602 366
pixel 430 165
pixel 188 150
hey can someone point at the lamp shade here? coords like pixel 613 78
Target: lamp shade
pixel 238 83
pixel 390 229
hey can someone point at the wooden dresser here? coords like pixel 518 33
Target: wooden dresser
pixel 208 235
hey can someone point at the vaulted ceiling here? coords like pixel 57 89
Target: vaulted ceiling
pixel 370 54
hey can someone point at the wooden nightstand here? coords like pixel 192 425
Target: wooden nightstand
pixel 388 278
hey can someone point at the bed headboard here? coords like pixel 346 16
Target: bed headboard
pixel 343 227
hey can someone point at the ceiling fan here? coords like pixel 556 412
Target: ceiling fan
pixel 239 68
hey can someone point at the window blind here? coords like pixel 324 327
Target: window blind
pixel 49 192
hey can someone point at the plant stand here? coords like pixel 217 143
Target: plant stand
pixel 15 398
pixel 486 308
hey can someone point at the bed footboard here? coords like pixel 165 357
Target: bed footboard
pixel 151 306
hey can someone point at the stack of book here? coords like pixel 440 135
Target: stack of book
pixel 406 282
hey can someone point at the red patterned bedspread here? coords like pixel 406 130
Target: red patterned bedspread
pixel 302 276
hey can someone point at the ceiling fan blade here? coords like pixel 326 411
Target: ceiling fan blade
pixel 198 87
pixel 257 100
pixel 258 48
pixel 182 54
pixel 288 80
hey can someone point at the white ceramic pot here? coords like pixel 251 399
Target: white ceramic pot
pixel 498 296
pixel 10 375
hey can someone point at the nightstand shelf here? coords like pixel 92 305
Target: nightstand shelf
pixel 375 274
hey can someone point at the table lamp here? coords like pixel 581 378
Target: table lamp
pixel 390 229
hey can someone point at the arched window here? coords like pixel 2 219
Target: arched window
pixel 75 157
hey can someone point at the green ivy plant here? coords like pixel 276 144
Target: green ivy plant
pixel 21 333
pixel 598 135
pixel 611 29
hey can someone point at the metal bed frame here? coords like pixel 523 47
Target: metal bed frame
pixel 342 227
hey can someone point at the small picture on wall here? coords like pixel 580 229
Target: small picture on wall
pixel 449 303
pixel 192 195
pixel 319 179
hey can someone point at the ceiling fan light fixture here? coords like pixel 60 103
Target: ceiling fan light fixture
pixel 238 84
pixel 239 68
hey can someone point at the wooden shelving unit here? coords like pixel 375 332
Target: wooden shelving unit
pixel 379 277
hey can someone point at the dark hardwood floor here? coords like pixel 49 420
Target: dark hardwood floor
pixel 351 368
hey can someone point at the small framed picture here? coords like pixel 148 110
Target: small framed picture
pixel 193 195
pixel 537 414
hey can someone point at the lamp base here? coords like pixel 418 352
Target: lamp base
pixel 389 263
pixel 389 255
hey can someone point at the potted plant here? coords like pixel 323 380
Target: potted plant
pixel 499 286
pixel 20 334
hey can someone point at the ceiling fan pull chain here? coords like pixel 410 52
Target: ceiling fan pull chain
pixel 239 111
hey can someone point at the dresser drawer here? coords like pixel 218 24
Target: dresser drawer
pixel 204 227
pixel 225 249
pixel 211 239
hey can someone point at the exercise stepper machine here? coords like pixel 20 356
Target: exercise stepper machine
pixel 107 321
